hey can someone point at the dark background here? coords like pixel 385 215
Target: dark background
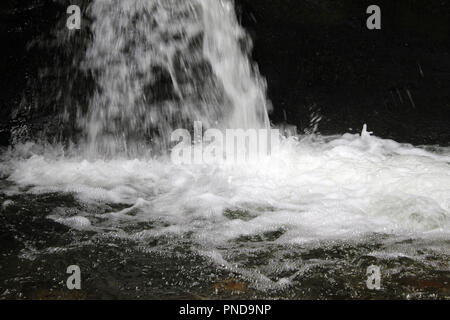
pixel 317 55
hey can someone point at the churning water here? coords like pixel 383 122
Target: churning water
pixel 305 222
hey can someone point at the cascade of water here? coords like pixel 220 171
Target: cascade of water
pixel 160 65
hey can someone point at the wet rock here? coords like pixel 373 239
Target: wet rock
pixel 230 286
pixel 50 294
pixel 320 53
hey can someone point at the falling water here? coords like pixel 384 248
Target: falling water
pixel 162 64
pixel 302 223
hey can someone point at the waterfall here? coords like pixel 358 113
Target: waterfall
pixel 160 65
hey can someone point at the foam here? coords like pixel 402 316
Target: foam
pixel 315 193
pixel 337 187
pixel 76 222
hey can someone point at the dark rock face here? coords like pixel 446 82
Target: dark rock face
pixel 40 64
pixel 317 56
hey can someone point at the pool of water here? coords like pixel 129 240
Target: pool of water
pixel 305 223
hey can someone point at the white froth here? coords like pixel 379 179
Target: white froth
pixel 76 222
pixel 315 188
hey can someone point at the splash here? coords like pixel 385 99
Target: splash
pixel 162 64
pixel 316 187
pixel 314 190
